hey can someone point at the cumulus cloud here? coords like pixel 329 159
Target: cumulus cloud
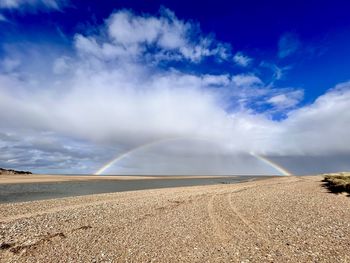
pixel 161 38
pixel 114 94
pixel 321 127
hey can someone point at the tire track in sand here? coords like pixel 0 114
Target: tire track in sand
pixel 245 221
pixel 220 225
pixel 218 230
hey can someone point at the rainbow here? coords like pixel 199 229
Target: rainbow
pixel 125 154
pixel 276 166
pixel 121 156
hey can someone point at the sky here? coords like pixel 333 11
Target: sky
pixel 174 87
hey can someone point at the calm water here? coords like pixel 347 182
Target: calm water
pixel 39 191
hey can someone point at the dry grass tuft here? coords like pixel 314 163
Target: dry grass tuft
pixel 338 182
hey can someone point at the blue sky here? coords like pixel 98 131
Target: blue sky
pixel 84 81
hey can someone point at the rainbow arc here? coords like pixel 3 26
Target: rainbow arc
pixel 276 166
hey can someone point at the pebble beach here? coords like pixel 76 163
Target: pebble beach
pixel 286 219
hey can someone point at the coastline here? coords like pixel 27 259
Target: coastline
pixel 48 178
pixel 25 192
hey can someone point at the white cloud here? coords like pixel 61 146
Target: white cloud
pixel 242 60
pixel 166 37
pixel 246 80
pixel 322 127
pixel 286 100
pixel 127 106
pixel 37 4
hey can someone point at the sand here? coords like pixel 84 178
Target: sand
pixel 289 219
pixel 47 178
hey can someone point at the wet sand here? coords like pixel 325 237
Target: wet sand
pixel 287 219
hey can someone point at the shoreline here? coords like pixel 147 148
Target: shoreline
pixel 32 191
pixel 48 178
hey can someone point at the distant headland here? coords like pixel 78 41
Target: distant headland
pixel 10 171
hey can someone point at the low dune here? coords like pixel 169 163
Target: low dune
pixel 287 219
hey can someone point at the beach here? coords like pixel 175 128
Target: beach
pixel 285 219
